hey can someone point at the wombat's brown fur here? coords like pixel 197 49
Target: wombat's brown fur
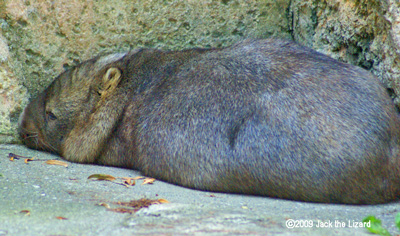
pixel 264 117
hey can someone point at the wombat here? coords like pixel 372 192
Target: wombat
pixel 262 117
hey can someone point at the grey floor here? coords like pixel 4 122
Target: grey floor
pixel 50 191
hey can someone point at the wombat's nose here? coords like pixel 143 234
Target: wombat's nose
pixel 25 128
pixel 28 135
pixel 23 132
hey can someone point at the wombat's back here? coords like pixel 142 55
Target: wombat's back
pixel 273 118
pixel 265 117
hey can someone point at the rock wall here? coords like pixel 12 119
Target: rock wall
pixel 365 33
pixel 41 38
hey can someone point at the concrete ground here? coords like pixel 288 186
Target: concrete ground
pixel 41 199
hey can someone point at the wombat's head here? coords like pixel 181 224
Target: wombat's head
pixel 67 102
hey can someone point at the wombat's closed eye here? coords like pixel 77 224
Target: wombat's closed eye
pixel 50 116
pixel 264 117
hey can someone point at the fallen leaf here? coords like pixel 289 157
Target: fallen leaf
pixel 148 181
pixel 61 218
pixel 26 212
pixel 57 162
pixel 129 181
pixel 375 226
pixel 28 160
pixel 104 205
pixel 136 205
pixel 13 156
pixel 143 202
pixel 123 210
pixel 162 200
pixel 102 177
pixel 139 177
pixel 125 181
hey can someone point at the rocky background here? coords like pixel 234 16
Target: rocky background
pixel 41 38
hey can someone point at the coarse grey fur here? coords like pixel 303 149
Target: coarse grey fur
pixel 265 117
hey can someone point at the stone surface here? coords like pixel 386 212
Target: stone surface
pixel 364 33
pixel 13 96
pixel 39 39
pixel 45 37
pixel 50 191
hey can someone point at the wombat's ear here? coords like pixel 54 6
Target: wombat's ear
pixel 110 82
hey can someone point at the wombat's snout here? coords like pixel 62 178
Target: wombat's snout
pixel 28 132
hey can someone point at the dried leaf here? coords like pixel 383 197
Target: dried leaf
pixel 26 212
pixel 57 162
pixel 28 160
pixel 104 205
pixel 162 200
pixel 129 181
pixel 123 210
pixel 143 202
pixel 148 181
pixel 102 177
pixel 61 218
pixel 136 205
pixel 138 177
pixel 13 156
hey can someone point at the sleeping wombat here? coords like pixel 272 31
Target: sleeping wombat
pixel 264 117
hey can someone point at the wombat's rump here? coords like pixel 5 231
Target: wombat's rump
pixel 264 117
